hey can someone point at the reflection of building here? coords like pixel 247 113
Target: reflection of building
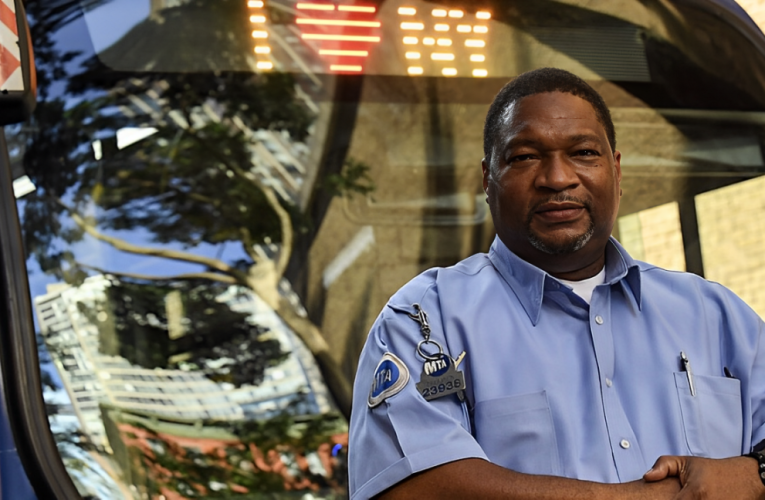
pixel 730 227
pixel 277 159
pixel 732 238
pixel 755 9
pixel 654 235
pixel 91 377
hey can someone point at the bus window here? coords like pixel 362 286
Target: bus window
pixel 217 197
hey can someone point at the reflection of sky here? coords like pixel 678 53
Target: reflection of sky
pixel 73 36
pixel 99 254
pixel 96 28
pixel 101 20
pixel 96 253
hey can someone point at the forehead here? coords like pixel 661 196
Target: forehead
pixel 549 113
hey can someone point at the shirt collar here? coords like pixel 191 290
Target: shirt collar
pixel 529 283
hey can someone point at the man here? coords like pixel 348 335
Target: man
pixel 581 366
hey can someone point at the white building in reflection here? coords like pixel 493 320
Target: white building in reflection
pixel 91 377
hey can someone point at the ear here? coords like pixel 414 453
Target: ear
pixel 618 166
pixel 486 169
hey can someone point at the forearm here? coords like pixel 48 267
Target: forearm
pixel 475 478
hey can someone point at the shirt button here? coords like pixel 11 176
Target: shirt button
pixel 599 320
pixel 609 383
pixel 624 444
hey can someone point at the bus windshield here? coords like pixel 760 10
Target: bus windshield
pixel 217 198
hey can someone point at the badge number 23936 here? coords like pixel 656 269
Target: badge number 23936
pixel 440 378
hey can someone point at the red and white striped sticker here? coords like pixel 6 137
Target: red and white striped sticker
pixel 10 65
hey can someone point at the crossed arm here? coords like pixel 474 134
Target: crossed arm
pixel 671 477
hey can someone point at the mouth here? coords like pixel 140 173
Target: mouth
pixel 557 212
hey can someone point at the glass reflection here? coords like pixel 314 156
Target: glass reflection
pixel 214 219
pixel 180 358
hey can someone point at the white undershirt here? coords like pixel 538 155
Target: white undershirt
pixel 584 288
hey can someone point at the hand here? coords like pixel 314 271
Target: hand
pixel 705 478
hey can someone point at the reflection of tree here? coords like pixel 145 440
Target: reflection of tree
pixel 190 183
pixel 354 178
pixel 133 323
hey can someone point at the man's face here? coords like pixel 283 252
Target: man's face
pixel 553 181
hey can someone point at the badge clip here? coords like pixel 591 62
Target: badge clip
pixel 440 376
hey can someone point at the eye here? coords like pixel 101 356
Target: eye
pixel 519 158
pixel 587 152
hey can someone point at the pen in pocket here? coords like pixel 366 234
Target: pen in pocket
pixel 687 367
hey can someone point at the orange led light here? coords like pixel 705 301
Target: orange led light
pixel 315 6
pixel 344 38
pixel 444 42
pixel 357 8
pixel 456 13
pixel 477 57
pixel 262 50
pixel 449 71
pixel 338 22
pixel 348 53
pixel 257 19
pixel 410 40
pixel 480 73
pixel 441 27
pixel 412 26
pixel 482 14
pixel 259 34
pixel 442 56
pixel 464 28
pixel 412 55
pixel 439 13
pixel 475 43
pixel 428 41
pixel 255 4
pixel 414 70
pixel 407 11
pixel 344 67
pixel 264 65
pixel 480 29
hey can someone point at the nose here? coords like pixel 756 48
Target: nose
pixel 557 174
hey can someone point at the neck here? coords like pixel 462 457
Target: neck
pixel 580 274
pixel 576 266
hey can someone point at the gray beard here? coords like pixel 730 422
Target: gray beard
pixel 564 248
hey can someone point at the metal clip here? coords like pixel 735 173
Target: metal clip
pixel 421 317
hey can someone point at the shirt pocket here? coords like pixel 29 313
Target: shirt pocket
pixel 713 418
pixel 517 432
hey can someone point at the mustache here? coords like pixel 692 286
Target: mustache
pixel 560 198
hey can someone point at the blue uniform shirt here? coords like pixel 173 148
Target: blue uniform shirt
pixel 555 386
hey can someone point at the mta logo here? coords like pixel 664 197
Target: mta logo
pixel 382 379
pixel 386 375
pixel 436 367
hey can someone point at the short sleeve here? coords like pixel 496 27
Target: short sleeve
pixel 404 434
